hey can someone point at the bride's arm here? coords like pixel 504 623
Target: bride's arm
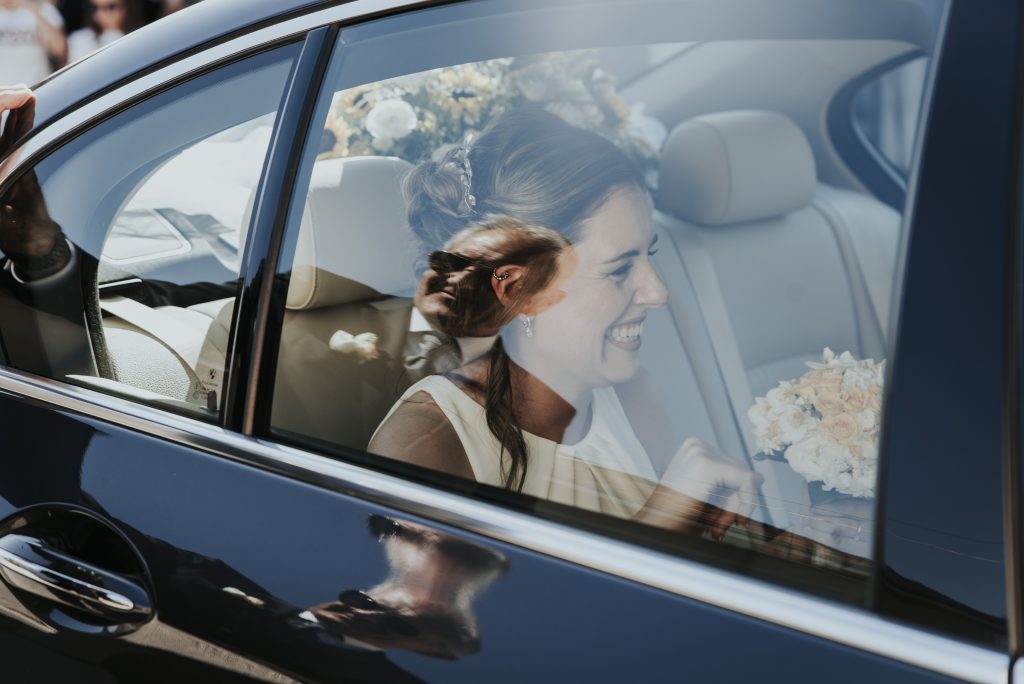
pixel 702 489
pixel 418 432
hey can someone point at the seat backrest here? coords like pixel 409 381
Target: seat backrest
pixel 353 271
pixel 780 266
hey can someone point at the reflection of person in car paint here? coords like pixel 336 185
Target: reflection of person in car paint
pixel 478 282
pixel 425 604
pixel 28 236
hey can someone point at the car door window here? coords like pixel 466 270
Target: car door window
pixel 616 273
pixel 154 204
pixel 886 111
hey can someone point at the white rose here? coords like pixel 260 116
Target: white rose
pixel 804 457
pixel 392 119
pixel 830 360
pixel 760 414
pixel 794 425
pixel 765 427
pixel 363 346
pixel 780 398
pixel 828 404
pixel 843 428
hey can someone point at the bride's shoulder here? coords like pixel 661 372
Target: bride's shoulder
pixel 418 431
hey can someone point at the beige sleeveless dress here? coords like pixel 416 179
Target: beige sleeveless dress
pixel 607 471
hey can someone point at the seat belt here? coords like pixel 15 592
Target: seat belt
pixel 187 340
pixel 701 273
pixel 865 290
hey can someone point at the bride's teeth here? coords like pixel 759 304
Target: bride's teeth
pixel 626 333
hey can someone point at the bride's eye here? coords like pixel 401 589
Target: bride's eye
pixel 652 251
pixel 622 271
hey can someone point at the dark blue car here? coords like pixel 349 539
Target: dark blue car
pixel 518 340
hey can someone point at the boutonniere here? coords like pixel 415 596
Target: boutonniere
pixel 363 345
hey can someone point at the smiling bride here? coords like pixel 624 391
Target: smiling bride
pixel 539 413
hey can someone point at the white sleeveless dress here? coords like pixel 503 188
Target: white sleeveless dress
pixel 607 471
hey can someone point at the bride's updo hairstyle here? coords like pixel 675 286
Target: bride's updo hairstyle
pixel 532 166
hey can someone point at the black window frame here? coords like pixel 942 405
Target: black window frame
pixel 975 433
pixel 860 155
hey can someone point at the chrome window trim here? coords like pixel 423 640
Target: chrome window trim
pixel 754 598
pixel 151 83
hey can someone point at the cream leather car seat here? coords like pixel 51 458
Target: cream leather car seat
pixel 778 265
pixel 353 271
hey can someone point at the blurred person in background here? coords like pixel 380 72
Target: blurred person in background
pixel 32 43
pixel 107 21
pixel 76 12
pixel 175 5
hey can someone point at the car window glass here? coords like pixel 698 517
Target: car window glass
pixel 598 281
pixel 886 112
pixel 154 204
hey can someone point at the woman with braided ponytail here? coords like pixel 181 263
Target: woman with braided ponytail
pixel 539 414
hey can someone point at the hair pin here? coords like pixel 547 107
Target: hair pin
pixel 459 161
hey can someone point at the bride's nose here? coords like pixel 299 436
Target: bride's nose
pixel 650 291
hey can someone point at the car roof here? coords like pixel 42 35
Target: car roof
pixel 207 22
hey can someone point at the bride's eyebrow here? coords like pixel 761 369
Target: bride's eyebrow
pixel 632 253
pixel 625 255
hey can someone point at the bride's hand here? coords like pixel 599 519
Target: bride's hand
pixel 704 489
pixel 19 103
pixel 14 96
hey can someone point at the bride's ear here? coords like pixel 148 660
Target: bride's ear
pixel 553 293
pixel 543 300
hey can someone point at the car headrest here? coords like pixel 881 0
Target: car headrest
pixel 355 237
pixel 737 166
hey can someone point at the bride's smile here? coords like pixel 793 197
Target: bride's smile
pixel 627 335
pixel 592 336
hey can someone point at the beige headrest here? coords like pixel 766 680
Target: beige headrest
pixel 354 238
pixel 738 166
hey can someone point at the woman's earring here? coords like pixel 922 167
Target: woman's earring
pixel 528 325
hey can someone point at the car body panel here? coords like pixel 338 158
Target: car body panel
pixel 203 523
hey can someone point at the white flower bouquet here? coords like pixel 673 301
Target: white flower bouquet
pixel 825 423
pixel 416 116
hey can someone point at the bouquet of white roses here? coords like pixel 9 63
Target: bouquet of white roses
pixel 825 423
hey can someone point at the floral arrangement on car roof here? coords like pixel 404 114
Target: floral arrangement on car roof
pixel 825 423
pixel 418 116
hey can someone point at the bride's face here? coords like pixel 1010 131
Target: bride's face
pixel 594 334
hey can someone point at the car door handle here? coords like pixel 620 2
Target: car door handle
pixel 31 565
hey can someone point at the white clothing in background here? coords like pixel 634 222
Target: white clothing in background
pixel 23 58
